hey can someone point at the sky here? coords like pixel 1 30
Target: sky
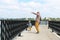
pixel 24 8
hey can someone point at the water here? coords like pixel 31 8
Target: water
pixel 44 22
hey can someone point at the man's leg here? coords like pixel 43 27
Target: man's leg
pixel 37 26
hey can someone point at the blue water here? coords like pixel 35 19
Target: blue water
pixel 43 22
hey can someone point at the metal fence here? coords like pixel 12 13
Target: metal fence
pixel 10 28
pixel 55 26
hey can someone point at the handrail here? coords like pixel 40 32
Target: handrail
pixel 10 28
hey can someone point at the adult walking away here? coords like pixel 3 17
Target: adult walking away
pixel 37 21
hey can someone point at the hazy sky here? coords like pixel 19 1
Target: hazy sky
pixel 23 8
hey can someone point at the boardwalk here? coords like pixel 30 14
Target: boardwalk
pixel 45 34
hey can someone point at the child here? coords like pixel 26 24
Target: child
pixel 29 25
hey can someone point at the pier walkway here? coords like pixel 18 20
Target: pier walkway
pixel 45 34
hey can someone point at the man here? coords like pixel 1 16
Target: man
pixel 37 21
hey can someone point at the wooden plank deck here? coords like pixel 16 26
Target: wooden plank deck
pixel 45 34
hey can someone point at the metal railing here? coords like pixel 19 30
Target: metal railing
pixel 55 26
pixel 10 28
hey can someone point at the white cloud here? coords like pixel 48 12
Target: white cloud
pixel 8 1
pixel 53 8
pixel 30 5
pixel 10 7
pixel 9 4
pixel 50 8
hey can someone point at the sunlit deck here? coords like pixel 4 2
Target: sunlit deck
pixel 45 34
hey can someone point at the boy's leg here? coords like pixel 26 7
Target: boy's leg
pixel 30 28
